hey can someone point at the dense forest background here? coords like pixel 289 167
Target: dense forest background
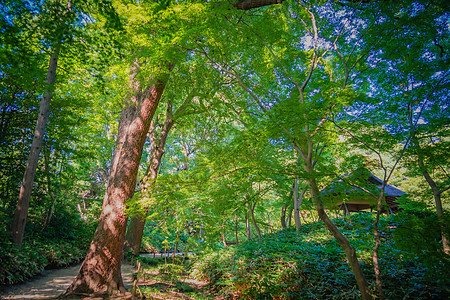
pixel 228 129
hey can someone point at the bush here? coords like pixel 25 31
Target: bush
pixel 16 266
pixel 310 265
pixel 57 246
pixel 157 240
pixel 19 265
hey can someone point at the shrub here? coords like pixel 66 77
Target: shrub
pixel 57 246
pixel 309 264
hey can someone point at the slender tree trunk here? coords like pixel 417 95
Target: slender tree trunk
pixel 176 247
pixel 289 216
pixel 284 208
pixel 297 202
pixel 50 192
pixel 349 251
pixel 247 225
pixel 376 233
pixel 443 225
pixel 437 198
pixel 186 152
pixel 133 238
pixel 224 241
pixel 100 272
pixel 236 228
pixel 21 212
pixel 252 213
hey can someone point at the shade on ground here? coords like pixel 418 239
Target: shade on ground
pixel 52 283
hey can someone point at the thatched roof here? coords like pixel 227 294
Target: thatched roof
pixel 389 190
pixel 346 192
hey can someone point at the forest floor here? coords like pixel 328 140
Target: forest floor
pixel 152 284
pixel 52 283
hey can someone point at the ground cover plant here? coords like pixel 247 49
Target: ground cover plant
pixel 308 264
pixel 223 121
pixel 63 243
pixel 167 278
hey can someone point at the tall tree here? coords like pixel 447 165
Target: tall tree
pixel 305 89
pixel 100 271
pixel 21 79
pixel 54 28
pixel 133 237
pixel 59 14
pixel 187 94
pixel 135 230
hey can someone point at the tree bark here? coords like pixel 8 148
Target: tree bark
pixel 436 194
pixel 133 238
pixel 53 198
pixel 284 208
pixel 236 228
pixel 224 241
pixel 134 233
pixel 297 202
pixel 100 272
pixel 349 251
pixel 247 225
pixel 289 215
pixel 252 212
pixel 376 233
pixel 250 4
pixel 23 203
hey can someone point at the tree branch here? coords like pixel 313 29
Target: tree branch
pixel 250 4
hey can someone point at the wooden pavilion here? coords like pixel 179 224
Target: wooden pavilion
pixel 349 193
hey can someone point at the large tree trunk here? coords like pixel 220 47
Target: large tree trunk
pixel 135 231
pixel 133 238
pixel 250 4
pixel 21 212
pixel 100 271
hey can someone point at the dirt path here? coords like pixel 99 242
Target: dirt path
pixel 52 283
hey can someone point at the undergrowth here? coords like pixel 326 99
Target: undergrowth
pixel 309 264
pixel 168 279
pixel 58 245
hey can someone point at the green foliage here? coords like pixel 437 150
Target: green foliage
pixel 17 266
pixel 64 242
pixel 241 72
pixel 418 234
pixel 310 265
pixel 170 270
pixel 35 256
pixel 158 239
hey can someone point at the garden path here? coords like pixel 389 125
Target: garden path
pixel 52 283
